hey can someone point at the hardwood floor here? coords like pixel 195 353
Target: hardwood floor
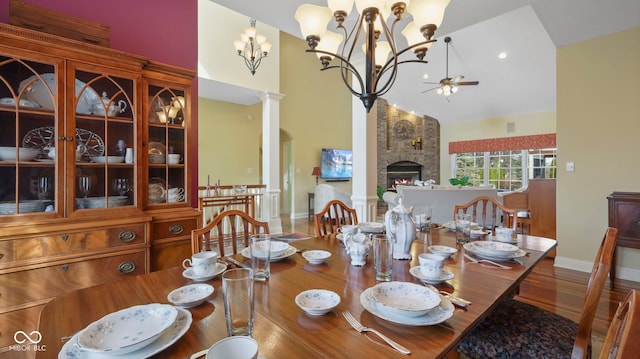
pixel 557 290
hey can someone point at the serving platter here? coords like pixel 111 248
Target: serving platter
pixel 41 93
pixel 88 143
pixel 183 321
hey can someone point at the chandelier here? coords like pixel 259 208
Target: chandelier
pixel 252 47
pixel 381 55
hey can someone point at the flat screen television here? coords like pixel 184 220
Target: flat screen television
pixel 336 164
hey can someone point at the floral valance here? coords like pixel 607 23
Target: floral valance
pixel 504 144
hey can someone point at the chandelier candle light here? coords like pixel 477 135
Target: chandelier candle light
pixel 252 47
pixel 380 67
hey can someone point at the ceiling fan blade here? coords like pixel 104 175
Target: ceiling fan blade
pixel 465 83
pixel 431 83
pixel 457 78
pixel 431 89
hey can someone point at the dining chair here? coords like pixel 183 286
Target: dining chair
pixel 225 231
pixel 621 341
pixel 334 215
pixel 515 329
pixel 481 206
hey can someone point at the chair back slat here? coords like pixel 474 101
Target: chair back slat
pixel 621 340
pixel 599 273
pixel 499 214
pixel 225 231
pixel 334 215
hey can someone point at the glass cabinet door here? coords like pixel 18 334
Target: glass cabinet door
pixel 167 150
pixel 105 136
pixel 29 174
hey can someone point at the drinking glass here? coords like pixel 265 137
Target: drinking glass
pixel 121 185
pixel 237 295
pixel 44 186
pixel 383 257
pixel 260 249
pixel 84 185
pixel 463 228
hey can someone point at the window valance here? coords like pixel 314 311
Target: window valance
pixel 504 143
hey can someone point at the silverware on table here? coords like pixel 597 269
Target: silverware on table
pixel 454 299
pixel 474 260
pixel 361 328
pixel 199 354
pixel 233 261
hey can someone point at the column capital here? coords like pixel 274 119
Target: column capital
pixel 266 96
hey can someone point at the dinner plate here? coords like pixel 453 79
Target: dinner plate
pixel 493 248
pixel 416 272
pixel 495 238
pixel 470 248
pixel 180 326
pixel 219 268
pixel 437 315
pixel 288 253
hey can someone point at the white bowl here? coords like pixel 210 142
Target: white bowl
pixel 277 249
pixel 405 299
pixel 494 248
pixel 371 227
pixel 236 347
pixel 24 153
pixel 107 159
pixel 316 256
pixel 317 301
pixel 129 329
pixel 443 251
pixel 190 295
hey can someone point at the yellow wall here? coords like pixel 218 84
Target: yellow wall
pixel 525 125
pixel 598 111
pixel 228 142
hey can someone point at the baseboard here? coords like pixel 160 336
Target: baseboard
pixel 629 274
pixel 301 215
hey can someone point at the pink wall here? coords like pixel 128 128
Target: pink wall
pixel 165 31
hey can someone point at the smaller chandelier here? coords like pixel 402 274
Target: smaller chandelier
pixel 252 47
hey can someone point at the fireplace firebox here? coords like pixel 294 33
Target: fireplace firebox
pixel 403 173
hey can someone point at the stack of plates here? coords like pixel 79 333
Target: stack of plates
pixel 406 303
pixel 494 250
pixel 136 332
pixel 101 202
pixel 26 206
pixel 279 252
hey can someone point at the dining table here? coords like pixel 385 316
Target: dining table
pixel 282 329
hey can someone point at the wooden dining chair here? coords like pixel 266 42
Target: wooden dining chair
pixel 482 206
pixel 334 215
pixel 621 340
pixel 225 231
pixel 520 330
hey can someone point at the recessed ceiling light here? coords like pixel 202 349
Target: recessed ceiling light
pixel 503 55
pixel 425 76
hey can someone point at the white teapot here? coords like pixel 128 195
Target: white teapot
pixel 114 108
pixel 401 227
pixel 357 246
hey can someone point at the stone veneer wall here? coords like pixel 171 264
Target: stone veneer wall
pixel 396 129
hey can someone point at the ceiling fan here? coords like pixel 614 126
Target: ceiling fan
pixel 448 86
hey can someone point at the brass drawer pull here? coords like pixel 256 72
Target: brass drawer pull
pixel 65 267
pixel 126 267
pixel 127 236
pixel 64 237
pixel 176 229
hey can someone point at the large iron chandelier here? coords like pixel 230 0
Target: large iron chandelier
pixel 252 47
pixel 381 57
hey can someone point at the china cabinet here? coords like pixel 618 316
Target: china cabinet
pixel 94 148
pixel 624 214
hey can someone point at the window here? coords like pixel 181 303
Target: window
pixel 505 170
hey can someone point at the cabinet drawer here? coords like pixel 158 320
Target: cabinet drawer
pixel 52 245
pixel 627 218
pixel 20 287
pixel 174 228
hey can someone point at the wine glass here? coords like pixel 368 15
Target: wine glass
pixel 84 185
pixel 44 186
pixel 121 185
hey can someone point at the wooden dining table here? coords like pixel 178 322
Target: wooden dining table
pixel 282 329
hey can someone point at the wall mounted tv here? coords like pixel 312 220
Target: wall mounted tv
pixel 336 164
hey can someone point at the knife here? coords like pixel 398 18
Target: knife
pixel 236 262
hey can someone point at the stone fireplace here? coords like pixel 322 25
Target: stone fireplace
pixel 408 146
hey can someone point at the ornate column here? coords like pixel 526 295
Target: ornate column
pixel 271 159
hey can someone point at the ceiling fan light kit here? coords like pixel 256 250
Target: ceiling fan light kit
pixel 381 55
pixel 449 86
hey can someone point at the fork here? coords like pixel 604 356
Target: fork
pixel 485 261
pixel 361 328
